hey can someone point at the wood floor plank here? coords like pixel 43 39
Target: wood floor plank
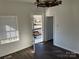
pixel 43 51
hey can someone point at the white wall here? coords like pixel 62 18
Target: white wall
pixel 76 24
pixel 23 12
pixel 66 24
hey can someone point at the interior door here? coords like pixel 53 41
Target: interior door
pixel 49 27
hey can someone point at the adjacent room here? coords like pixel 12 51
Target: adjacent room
pixel 39 29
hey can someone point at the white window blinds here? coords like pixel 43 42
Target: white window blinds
pixel 8 29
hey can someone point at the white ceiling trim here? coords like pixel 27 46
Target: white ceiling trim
pixel 29 1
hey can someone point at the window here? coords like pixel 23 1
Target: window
pixel 8 29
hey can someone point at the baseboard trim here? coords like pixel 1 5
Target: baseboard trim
pixel 68 50
pixel 16 52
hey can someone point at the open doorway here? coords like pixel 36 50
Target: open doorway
pixel 49 25
pixel 37 28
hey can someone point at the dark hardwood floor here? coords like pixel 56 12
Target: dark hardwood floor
pixel 43 51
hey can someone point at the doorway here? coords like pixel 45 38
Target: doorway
pixel 37 28
pixel 49 28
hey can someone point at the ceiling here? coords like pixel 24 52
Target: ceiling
pixel 30 1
